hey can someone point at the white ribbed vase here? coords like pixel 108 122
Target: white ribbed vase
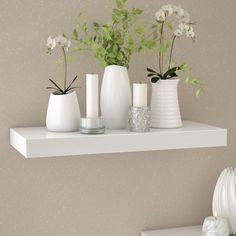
pixel 224 198
pixel 115 97
pixel 165 111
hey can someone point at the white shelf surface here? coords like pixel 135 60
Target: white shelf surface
pixel 39 142
pixel 181 231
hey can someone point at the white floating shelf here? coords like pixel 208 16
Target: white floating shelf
pixel 39 142
pixel 181 231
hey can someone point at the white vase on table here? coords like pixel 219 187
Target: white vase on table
pixel 165 112
pixel 224 197
pixel 63 114
pixel 115 97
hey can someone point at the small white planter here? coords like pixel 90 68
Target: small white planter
pixel 63 114
pixel 165 111
pixel 115 97
pixel 224 198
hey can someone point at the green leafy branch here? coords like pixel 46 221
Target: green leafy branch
pixel 113 43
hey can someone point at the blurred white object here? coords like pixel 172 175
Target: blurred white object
pixel 215 226
pixel 224 198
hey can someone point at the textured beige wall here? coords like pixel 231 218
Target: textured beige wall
pixel 118 194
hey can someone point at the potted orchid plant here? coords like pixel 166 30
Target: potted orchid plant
pixel 174 23
pixel 63 113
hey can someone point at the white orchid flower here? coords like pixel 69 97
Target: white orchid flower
pixel 178 32
pixel 190 33
pixel 51 43
pixel 184 27
pixel 168 9
pixel 160 15
pixel 179 11
pixel 61 40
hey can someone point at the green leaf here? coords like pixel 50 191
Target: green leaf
pixel 155 79
pixel 52 88
pixel 150 44
pixel 171 75
pixel 195 82
pixel 171 72
pixel 72 82
pixel 75 34
pixel 198 92
pixel 153 73
pixel 117 12
pixel 79 16
pixel 137 11
pixel 151 70
pixel 185 67
pixel 115 49
pixel 120 56
pixel 54 83
pixel 85 27
pixel 139 29
pixel 120 3
pixel 187 80
pixel 96 25
pixel 155 34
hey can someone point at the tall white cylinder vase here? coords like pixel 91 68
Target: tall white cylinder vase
pixel 224 198
pixel 115 97
pixel 165 112
pixel 63 114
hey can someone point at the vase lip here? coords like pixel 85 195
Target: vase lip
pixel 167 81
pixel 124 67
pixel 67 94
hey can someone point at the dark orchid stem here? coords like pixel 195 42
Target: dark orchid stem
pixel 65 62
pixel 171 51
pixel 160 53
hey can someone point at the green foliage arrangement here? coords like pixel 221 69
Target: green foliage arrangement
pixel 64 44
pixel 168 35
pixel 113 43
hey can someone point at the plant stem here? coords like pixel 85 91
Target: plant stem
pixel 171 51
pixel 160 53
pixel 65 61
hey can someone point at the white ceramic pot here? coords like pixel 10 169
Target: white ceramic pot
pixel 215 226
pixel 63 114
pixel 115 97
pixel 224 198
pixel 165 111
